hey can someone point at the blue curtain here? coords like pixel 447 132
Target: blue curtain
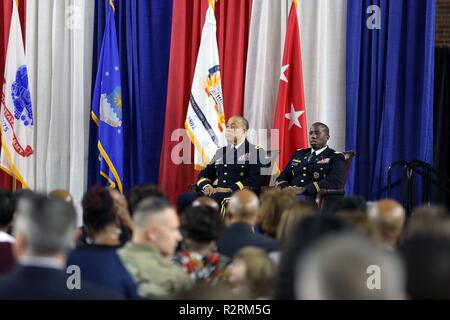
pixel 144 33
pixel 389 90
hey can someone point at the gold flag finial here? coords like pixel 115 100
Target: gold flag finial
pixel 111 3
pixel 295 3
pixel 212 3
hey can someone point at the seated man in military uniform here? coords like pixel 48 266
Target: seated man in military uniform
pixel 315 168
pixel 237 166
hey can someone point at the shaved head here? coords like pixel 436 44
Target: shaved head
pixel 62 195
pixel 390 219
pixel 244 205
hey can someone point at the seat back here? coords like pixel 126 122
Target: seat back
pixel 349 155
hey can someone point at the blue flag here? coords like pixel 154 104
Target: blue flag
pixel 107 108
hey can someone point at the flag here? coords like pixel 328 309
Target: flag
pixel 18 154
pixel 290 116
pixel 107 107
pixel 205 120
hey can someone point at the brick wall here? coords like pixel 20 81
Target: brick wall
pixel 442 23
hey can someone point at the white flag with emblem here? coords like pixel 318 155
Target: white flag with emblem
pixel 18 155
pixel 205 120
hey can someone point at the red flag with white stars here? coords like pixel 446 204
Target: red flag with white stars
pixel 290 116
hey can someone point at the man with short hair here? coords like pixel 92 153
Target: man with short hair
pixel 348 266
pixel 235 167
pixel 315 168
pixel 242 214
pixel 44 231
pixel 156 235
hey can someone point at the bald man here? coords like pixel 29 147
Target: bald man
pixel 389 217
pixel 242 213
pixel 62 195
pixel 235 167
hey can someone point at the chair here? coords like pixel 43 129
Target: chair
pixel 334 194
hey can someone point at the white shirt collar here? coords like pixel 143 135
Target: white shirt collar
pixel 239 145
pixel 319 151
pixel 41 262
pixel 4 237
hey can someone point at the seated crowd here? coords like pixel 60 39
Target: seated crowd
pixel 269 247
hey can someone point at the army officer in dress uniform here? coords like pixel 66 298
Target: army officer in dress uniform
pixel 315 168
pixel 234 167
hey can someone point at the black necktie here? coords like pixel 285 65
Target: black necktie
pixel 312 155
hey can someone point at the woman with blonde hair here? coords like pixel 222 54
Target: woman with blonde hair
pixel 291 217
pixel 252 272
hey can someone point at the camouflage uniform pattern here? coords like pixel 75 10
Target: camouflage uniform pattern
pixel 155 276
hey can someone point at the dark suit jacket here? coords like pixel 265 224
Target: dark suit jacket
pixel 238 236
pixel 7 261
pixel 36 283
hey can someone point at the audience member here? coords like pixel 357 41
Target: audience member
pixel 273 203
pixel 62 195
pixel 292 216
pixel 44 231
pixel 99 260
pixel 253 272
pixel 147 257
pixel 242 213
pixel 302 236
pixel 124 220
pixel 202 226
pixel 433 220
pixel 354 211
pixel 141 192
pixel 7 259
pixel 427 262
pixel 389 218
pixel 206 201
pixel 349 267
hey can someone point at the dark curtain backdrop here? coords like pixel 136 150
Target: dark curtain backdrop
pixel 389 90
pixel 144 32
pixel 442 121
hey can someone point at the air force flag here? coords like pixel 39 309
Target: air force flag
pixel 107 108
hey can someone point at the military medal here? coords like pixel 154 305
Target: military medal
pixel 316 175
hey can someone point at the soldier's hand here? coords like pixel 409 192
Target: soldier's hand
pixel 208 191
pixel 298 190
pixel 223 190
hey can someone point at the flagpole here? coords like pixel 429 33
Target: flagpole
pixel 14 184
